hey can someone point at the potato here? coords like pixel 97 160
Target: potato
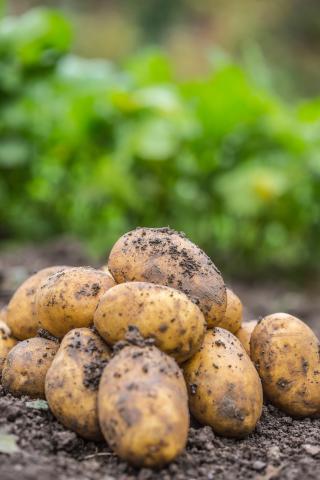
pixel 106 270
pixel 21 314
pixel 224 388
pixel 143 406
pixel 233 316
pixel 244 334
pixel 167 315
pixel 26 367
pixel 165 257
pixel 287 356
pixel 3 314
pixel 7 342
pixel 72 382
pixel 69 298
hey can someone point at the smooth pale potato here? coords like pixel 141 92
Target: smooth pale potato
pixel 26 366
pixel 165 257
pixel 21 314
pixel 7 342
pixel 143 406
pixel 167 315
pixel 72 382
pixel 233 316
pixel 244 334
pixel 224 388
pixel 286 353
pixel 68 299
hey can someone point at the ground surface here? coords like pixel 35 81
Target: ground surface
pixel 280 448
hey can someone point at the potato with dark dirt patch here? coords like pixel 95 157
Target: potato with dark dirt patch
pixel 26 366
pixel 143 406
pixel 244 334
pixel 21 314
pixel 286 353
pixel 224 388
pixel 72 382
pixel 233 316
pixel 68 299
pixel 165 257
pixel 7 342
pixel 160 312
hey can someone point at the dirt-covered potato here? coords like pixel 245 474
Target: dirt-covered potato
pixel 224 388
pixel 7 342
pixel 21 313
pixel 167 315
pixel 244 334
pixel 165 257
pixel 72 382
pixel 68 299
pixel 233 316
pixel 26 366
pixel 287 356
pixel 143 406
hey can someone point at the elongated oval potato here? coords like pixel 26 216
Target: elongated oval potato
pixel 224 388
pixel 287 356
pixel 165 257
pixel 143 406
pixel 72 382
pixel 21 314
pixel 26 367
pixel 167 315
pixel 233 316
pixel 7 342
pixel 68 299
pixel 244 334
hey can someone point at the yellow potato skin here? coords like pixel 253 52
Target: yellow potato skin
pixel 224 388
pixel 244 334
pixel 165 257
pixel 167 315
pixel 69 298
pixel 3 314
pixel 286 353
pixel 143 406
pixel 7 342
pixel 71 385
pixel 233 316
pixel 26 367
pixel 21 314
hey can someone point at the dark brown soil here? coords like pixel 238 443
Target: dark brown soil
pixel 280 448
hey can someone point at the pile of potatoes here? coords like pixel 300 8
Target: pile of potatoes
pixel 124 353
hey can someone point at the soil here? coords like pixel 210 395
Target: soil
pixel 280 448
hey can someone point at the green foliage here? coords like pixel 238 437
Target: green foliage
pixel 93 150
